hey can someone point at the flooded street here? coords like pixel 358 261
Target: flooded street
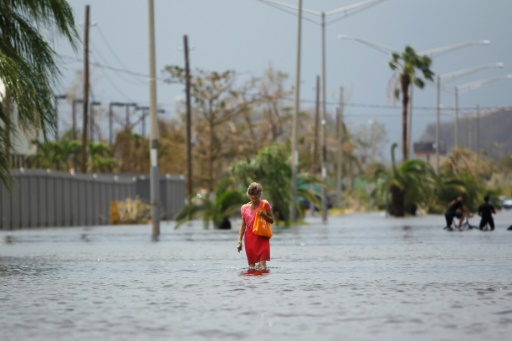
pixel 360 277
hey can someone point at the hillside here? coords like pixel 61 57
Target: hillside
pixel 489 131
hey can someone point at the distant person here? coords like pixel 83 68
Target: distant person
pixel 456 209
pixel 486 211
pixel 257 248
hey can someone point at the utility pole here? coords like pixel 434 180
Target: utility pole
pixel 314 166
pixel 86 90
pixel 478 131
pixel 295 153
pixel 340 132
pixel 153 133
pixel 324 122
pixel 438 122
pixel 189 118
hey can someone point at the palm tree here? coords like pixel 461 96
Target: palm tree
pixel 28 65
pixel 224 205
pixel 100 157
pixel 54 154
pixel 407 63
pixel 411 184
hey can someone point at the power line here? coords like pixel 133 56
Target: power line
pixel 138 74
pixel 95 52
pixel 110 48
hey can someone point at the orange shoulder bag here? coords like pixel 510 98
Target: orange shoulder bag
pixel 261 227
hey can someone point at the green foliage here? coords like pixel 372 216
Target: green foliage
pixel 271 167
pixel 100 157
pixel 28 65
pixel 55 154
pixel 421 186
pixel 59 155
pixel 408 62
pixel 224 205
pixel 412 183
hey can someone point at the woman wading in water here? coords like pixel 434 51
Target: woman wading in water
pixel 257 248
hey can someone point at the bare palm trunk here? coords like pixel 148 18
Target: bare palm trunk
pixel 397 202
pixel 405 82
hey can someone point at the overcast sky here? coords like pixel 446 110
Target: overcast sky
pixel 248 35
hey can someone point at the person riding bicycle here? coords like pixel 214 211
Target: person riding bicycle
pixel 485 211
pixel 456 209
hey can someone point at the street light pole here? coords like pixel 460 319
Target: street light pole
pixel 339 170
pixel 295 154
pixel 111 120
pixel 91 124
pixel 438 121
pixel 189 117
pixel 153 134
pixel 127 118
pixel 456 123
pixel 143 119
pixel 75 102
pixel 56 104
pixel 324 121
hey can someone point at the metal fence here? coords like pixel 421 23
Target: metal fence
pixel 41 198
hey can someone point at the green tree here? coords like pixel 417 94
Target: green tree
pixel 54 154
pixel 406 64
pixel 100 157
pixel 224 205
pixel 411 184
pixel 28 65
pixel 272 168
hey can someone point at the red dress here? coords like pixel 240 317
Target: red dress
pixel 256 248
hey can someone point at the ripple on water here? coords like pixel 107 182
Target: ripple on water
pixel 358 278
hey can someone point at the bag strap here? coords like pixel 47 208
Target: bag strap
pixel 262 203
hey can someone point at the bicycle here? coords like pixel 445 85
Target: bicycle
pixel 464 227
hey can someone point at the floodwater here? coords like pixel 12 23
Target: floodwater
pixel 359 277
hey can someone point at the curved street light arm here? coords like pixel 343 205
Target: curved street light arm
pixel 282 4
pixel 475 85
pixel 459 73
pixel 379 47
pixel 351 7
pixel 440 50
pixel 327 13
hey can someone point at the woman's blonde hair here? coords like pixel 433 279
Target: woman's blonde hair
pixel 254 188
